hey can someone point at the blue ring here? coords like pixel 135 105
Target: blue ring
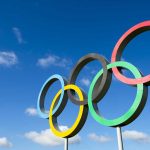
pixel 40 103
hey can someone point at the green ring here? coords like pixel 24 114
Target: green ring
pixel 135 106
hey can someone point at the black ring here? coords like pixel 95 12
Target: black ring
pixel 102 84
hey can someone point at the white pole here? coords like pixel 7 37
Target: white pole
pixel 66 144
pixel 119 137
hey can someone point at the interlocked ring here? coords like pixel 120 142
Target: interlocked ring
pixel 135 109
pixel 119 47
pixel 98 89
pixel 62 101
pixel 83 112
pixel 103 83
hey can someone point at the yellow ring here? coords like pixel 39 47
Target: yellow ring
pixel 68 132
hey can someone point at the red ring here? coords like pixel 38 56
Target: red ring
pixel 119 47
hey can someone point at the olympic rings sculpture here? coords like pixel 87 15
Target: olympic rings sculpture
pixel 97 90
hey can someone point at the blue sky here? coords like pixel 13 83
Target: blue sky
pixel 39 38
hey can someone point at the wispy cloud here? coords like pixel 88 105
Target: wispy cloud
pixel 53 60
pixel 136 136
pixel 4 142
pixel 99 138
pixel 47 138
pixel 31 111
pixel 85 81
pixel 8 58
pixel 18 35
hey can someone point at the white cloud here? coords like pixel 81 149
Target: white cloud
pixel 5 143
pixel 53 60
pixel 8 58
pixel 136 136
pixel 18 35
pixel 85 81
pixel 93 72
pixel 31 111
pixel 99 138
pixel 47 138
